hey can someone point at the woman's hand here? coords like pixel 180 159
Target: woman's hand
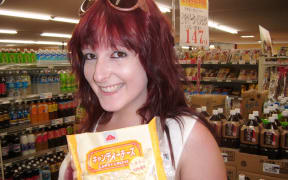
pixel 67 169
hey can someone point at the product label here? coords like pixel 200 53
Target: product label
pixel 270 139
pixel 24 147
pixel 231 131
pixel 250 135
pixel 271 168
pixel 115 157
pixel 16 148
pixel 5 151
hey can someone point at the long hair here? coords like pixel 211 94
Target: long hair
pixel 149 35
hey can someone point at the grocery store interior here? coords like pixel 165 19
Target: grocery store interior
pixel 235 82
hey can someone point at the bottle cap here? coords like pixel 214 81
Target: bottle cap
pixel 215 112
pixel 271 119
pixel 204 108
pixel 266 111
pixel 251 116
pixel 232 112
pixel 220 110
pixel 198 110
pixel 256 113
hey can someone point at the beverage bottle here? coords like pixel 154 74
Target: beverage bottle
pixel 63 135
pixel 45 171
pixel 249 136
pixel 16 145
pixel 53 169
pixel 50 134
pixel 284 140
pixel 60 102
pixel 3 91
pixel 204 112
pixel 45 138
pixel 269 140
pixel 45 111
pixel 10 84
pixel 34 113
pixel 216 124
pixel 18 84
pixel 24 144
pixel 230 131
pixel 20 114
pixel 2 123
pixel 50 109
pixel 38 140
pixel 4 147
pixel 63 81
pixel 8 174
pixel 31 142
pixel 13 115
pixel 55 108
pixel 6 116
pixel 221 115
pixel 276 121
pixel 41 110
pixel 26 112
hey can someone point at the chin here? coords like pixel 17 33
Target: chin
pixel 111 107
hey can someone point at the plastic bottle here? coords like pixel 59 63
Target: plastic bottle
pixel 10 84
pixel 45 138
pixel 269 139
pixel 230 131
pixel 6 116
pixel 16 145
pixel 31 142
pixel 20 114
pixel 41 110
pixel 198 110
pixel 276 121
pixel 13 115
pixel 38 140
pixel 284 140
pixel 24 144
pixel 221 115
pixel 4 147
pixel 249 136
pixel 204 112
pixel 34 113
pixel 55 108
pixel 3 89
pixel 216 125
pixel 45 171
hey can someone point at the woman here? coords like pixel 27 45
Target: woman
pixel 124 59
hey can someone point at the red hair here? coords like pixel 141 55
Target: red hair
pixel 149 35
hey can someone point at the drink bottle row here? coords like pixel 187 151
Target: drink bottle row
pixel 16 56
pixel 36 111
pixel 40 168
pixel 29 142
pixel 20 83
pixel 267 135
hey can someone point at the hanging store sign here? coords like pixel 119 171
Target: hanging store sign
pixel 194 30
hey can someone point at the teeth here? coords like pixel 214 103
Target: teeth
pixel 110 89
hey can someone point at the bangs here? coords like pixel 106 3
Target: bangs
pixel 109 28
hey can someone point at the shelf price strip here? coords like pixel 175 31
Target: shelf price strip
pixel 194 29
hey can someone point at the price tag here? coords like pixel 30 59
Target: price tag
pixel 8 164
pixel 228 80
pixel 69 94
pixel 223 63
pixel 5 102
pixel 48 153
pixel 214 62
pixel 234 62
pixel 32 157
pixel 29 129
pixel 252 61
pixel 57 121
pixel 249 81
pixel 60 95
pixel 41 126
pixel 271 168
pixel 45 95
pixel 219 80
pixel 194 30
pixel 3 134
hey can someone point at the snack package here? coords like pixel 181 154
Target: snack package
pixel 127 153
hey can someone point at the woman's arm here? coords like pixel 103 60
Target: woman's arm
pixel 201 157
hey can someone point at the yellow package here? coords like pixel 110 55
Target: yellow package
pixel 127 153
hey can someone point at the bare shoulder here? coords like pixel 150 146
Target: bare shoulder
pixel 201 158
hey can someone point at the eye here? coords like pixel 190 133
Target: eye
pixel 118 54
pixel 89 56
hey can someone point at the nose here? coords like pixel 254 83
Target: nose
pixel 102 70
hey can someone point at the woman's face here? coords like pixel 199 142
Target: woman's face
pixel 116 76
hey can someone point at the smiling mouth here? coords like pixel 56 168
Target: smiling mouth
pixel 111 89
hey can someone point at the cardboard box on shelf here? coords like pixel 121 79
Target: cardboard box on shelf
pixel 231 172
pixel 254 176
pixel 252 101
pixel 262 165
pixel 250 162
pixel 209 100
pixel 230 156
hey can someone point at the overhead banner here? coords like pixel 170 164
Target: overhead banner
pixel 266 42
pixel 194 30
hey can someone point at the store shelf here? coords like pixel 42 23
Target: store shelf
pixel 35 65
pixel 47 95
pixel 65 120
pixel 37 154
pixel 223 65
pixel 224 81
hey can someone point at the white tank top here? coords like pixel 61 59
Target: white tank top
pixel 178 139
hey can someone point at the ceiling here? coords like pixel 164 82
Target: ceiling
pixel 243 15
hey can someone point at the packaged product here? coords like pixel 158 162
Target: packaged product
pixel 118 154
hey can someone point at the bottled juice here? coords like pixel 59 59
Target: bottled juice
pixel 34 113
pixel 41 111
pixel 45 111
pixel 50 109
pixel 276 121
pixel 249 136
pixel 269 140
pixel 230 131
pixel 238 114
pixel 216 125
pixel 257 118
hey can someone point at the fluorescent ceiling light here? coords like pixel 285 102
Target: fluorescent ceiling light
pixel 56 35
pixel 24 14
pixel 163 8
pixel 31 15
pixel 221 27
pixel 8 31
pixel 32 42
pixel 68 20
pixel 248 36
pixel 185 47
